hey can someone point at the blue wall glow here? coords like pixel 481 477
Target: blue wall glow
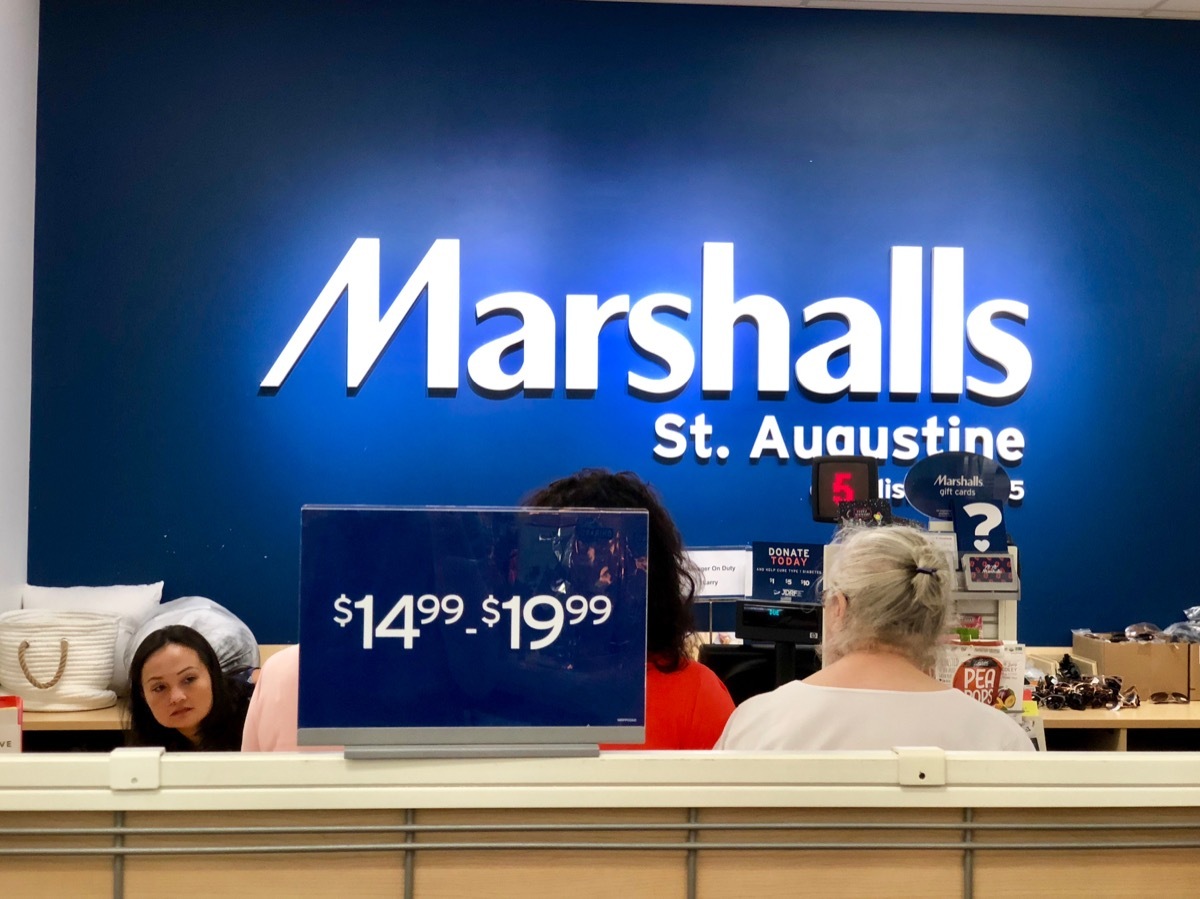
pixel 202 171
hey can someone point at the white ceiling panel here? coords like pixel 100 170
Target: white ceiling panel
pixel 1104 7
pixel 1057 7
pixel 1153 9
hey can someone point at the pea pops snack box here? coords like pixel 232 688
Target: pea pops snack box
pixel 989 670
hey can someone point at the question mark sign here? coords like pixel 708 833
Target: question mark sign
pixel 991 517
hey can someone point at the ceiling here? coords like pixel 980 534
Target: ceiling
pixel 1140 9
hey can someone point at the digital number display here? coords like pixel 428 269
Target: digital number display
pixel 843 483
pixel 842 479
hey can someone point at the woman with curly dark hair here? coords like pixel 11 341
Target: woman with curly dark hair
pixel 686 704
pixel 181 699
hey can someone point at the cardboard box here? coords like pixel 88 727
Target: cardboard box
pixel 989 670
pixel 1047 663
pixel 1194 671
pixel 1147 667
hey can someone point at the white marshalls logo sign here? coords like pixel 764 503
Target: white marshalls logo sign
pixel 858 349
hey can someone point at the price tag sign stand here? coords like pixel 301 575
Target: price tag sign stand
pixel 461 632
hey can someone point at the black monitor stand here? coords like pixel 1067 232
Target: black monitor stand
pixel 748 669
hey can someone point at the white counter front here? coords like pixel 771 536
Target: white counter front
pixel 904 823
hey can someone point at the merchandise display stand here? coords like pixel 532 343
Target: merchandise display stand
pixel 997 612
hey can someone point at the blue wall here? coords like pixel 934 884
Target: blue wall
pixel 204 169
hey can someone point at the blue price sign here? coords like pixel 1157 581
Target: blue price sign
pixel 455 618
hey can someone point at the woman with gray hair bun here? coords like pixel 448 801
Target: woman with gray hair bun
pixel 886 597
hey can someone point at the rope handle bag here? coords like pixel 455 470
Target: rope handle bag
pixel 58 661
pixel 63 645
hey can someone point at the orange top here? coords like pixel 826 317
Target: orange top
pixel 685 709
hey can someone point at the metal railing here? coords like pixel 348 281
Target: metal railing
pixel 689 844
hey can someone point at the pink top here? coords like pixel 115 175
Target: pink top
pixel 274 715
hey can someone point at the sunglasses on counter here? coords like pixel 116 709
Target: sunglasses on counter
pixel 1168 698
pixel 1088 693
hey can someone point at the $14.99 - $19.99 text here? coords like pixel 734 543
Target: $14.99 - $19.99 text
pixel 555 614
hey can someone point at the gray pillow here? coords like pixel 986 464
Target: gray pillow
pixel 229 637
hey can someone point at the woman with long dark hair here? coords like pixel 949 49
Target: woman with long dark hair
pixel 181 699
pixel 686 703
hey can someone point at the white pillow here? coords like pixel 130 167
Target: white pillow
pixel 136 601
pixel 135 604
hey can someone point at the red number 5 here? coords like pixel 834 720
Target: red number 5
pixel 843 491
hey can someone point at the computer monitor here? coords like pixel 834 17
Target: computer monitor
pixel 460 631
pixel 779 622
pixel 842 479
